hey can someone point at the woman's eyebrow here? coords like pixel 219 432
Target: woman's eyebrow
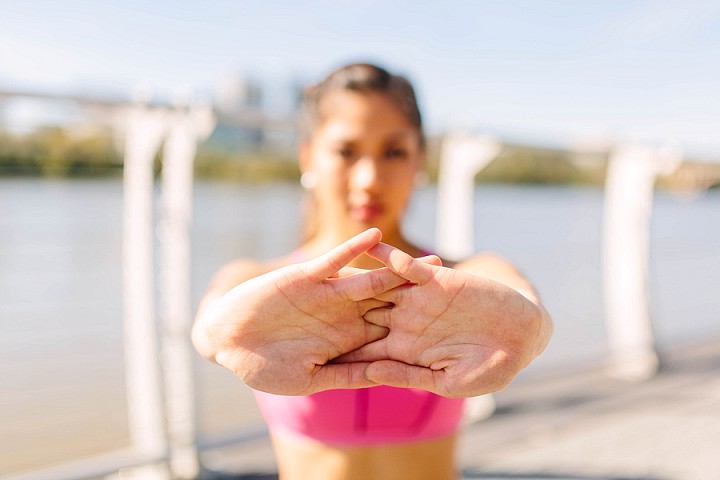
pixel 403 135
pixel 342 141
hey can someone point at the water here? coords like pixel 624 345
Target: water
pixel 61 371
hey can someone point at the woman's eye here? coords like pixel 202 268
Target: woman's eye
pixel 345 153
pixel 396 153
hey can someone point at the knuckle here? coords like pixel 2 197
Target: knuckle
pixel 405 263
pixel 377 285
pixel 334 262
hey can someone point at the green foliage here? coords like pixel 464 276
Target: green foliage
pixel 258 166
pixel 519 164
pixel 53 151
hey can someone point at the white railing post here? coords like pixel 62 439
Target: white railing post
pixel 144 131
pixel 186 128
pixel 461 158
pixel 629 184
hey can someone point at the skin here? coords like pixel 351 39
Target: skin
pixel 458 332
pixel 300 459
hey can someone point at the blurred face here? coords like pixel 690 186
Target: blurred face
pixel 365 154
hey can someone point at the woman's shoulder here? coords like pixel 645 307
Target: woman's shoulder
pixel 233 274
pixel 483 261
pixel 240 270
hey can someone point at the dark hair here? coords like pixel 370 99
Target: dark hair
pixel 361 78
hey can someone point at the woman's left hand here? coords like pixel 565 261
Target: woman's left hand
pixel 453 333
pixel 278 331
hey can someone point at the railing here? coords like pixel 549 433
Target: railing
pixel 158 365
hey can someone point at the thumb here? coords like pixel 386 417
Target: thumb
pixel 431 260
pixel 343 375
pixel 401 263
pixel 329 264
pixel 402 375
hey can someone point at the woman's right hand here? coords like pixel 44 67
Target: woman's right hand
pixel 278 331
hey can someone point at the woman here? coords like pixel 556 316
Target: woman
pixel 342 328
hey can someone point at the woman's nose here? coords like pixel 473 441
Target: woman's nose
pixel 365 174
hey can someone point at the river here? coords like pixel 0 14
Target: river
pixel 61 370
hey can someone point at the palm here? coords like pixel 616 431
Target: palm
pixel 293 327
pixel 453 333
pixel 278 331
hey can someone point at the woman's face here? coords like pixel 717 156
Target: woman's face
pixel 365 154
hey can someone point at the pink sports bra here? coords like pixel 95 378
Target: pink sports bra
pixel 368 416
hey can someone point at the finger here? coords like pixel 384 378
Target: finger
pixel 381 285
pixel 382 316
pixel 365 306
pixel 370 352
pixel 374 332
pixel 399 374
pixel 366 284
pixel 431 260
pixel 345 375
pixel 402 263
pixel 347 271
pixel 329 264
pixel 392 295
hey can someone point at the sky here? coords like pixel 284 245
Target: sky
pixel 557 72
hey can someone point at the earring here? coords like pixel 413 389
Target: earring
pixel 308 180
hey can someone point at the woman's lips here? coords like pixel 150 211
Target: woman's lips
pixel 367 212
